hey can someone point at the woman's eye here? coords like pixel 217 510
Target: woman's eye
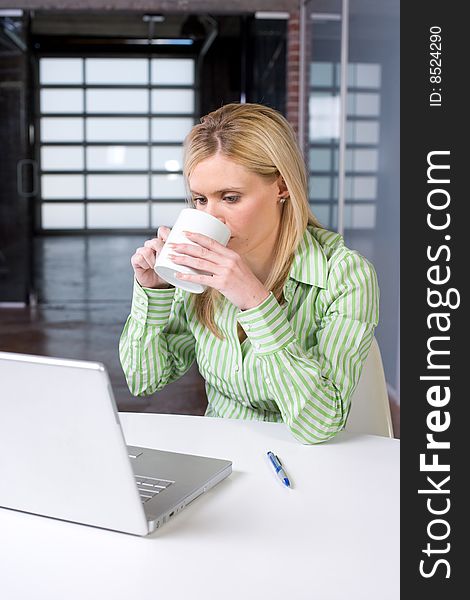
pixel 232 199
pixel 199 200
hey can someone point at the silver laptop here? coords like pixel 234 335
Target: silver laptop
pixel 63 453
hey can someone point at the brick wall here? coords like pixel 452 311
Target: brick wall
pixel 293 74
pixel 293 63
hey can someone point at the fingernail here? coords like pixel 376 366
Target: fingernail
pixel 188 233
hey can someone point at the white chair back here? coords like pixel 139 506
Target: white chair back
pixel 370 407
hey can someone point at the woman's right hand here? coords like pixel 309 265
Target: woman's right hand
pixel 144 259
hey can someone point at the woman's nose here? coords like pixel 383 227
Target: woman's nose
pixel 215 210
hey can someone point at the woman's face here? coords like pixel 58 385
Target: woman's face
pixel 246 202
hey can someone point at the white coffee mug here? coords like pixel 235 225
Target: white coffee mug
pixel 197 221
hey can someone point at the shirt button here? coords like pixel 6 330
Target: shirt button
pixel 268 381
pixel 237 368
pixel 246 327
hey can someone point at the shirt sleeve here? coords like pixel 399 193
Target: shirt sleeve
pixel 156 346
pixel 312 386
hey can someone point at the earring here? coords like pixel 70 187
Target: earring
pixel 282 199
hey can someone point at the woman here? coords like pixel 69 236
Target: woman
pixel 285 324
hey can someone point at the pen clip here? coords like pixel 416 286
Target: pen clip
pixel 274 461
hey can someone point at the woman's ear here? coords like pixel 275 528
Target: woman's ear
pixel 281 184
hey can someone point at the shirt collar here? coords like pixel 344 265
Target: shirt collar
pixel 309 265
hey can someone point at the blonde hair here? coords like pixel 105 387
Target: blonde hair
pixel 261 140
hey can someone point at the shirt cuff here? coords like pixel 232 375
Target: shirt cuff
pixel 150 306
pixel 266 326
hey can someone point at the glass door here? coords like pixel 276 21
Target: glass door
pixel 352 50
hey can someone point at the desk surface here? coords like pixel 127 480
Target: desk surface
pixel 334 536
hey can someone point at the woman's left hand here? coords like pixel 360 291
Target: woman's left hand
pixel 228 272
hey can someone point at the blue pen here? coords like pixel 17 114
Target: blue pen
pixel 276 463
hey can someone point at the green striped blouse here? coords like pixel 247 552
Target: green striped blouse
pixel 300 361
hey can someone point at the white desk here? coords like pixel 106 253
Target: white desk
pixel 334 536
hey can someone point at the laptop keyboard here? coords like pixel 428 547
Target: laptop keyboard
pixel 151 486
pixel 148 486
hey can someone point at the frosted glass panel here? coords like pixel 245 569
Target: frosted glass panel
pixel 361 75
pixel 362 132
pixel 320 188
pixel 324 111
pixel 364 188
pixel 117 101
pixel 165 213
pixel 167 158
pixel 61 129
pixel 321 74
pixel 368 75
pixel 120 158
pixel 62 216
pixel 60 70
pixel 348 188
pixel 358 188
pixel 117 130
pixel 319 159
pixel 125 71
pixel 168 71
pixel 66 158
pixel 120 215
pixel 117 186
pixel 168 186
pixel 364 105
pixel 173 101
pixel 363 216
pixel 355 216
pixel 170 130
pixel 322 212
pixel 62 187
pixel 360 160
pixel 61 101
